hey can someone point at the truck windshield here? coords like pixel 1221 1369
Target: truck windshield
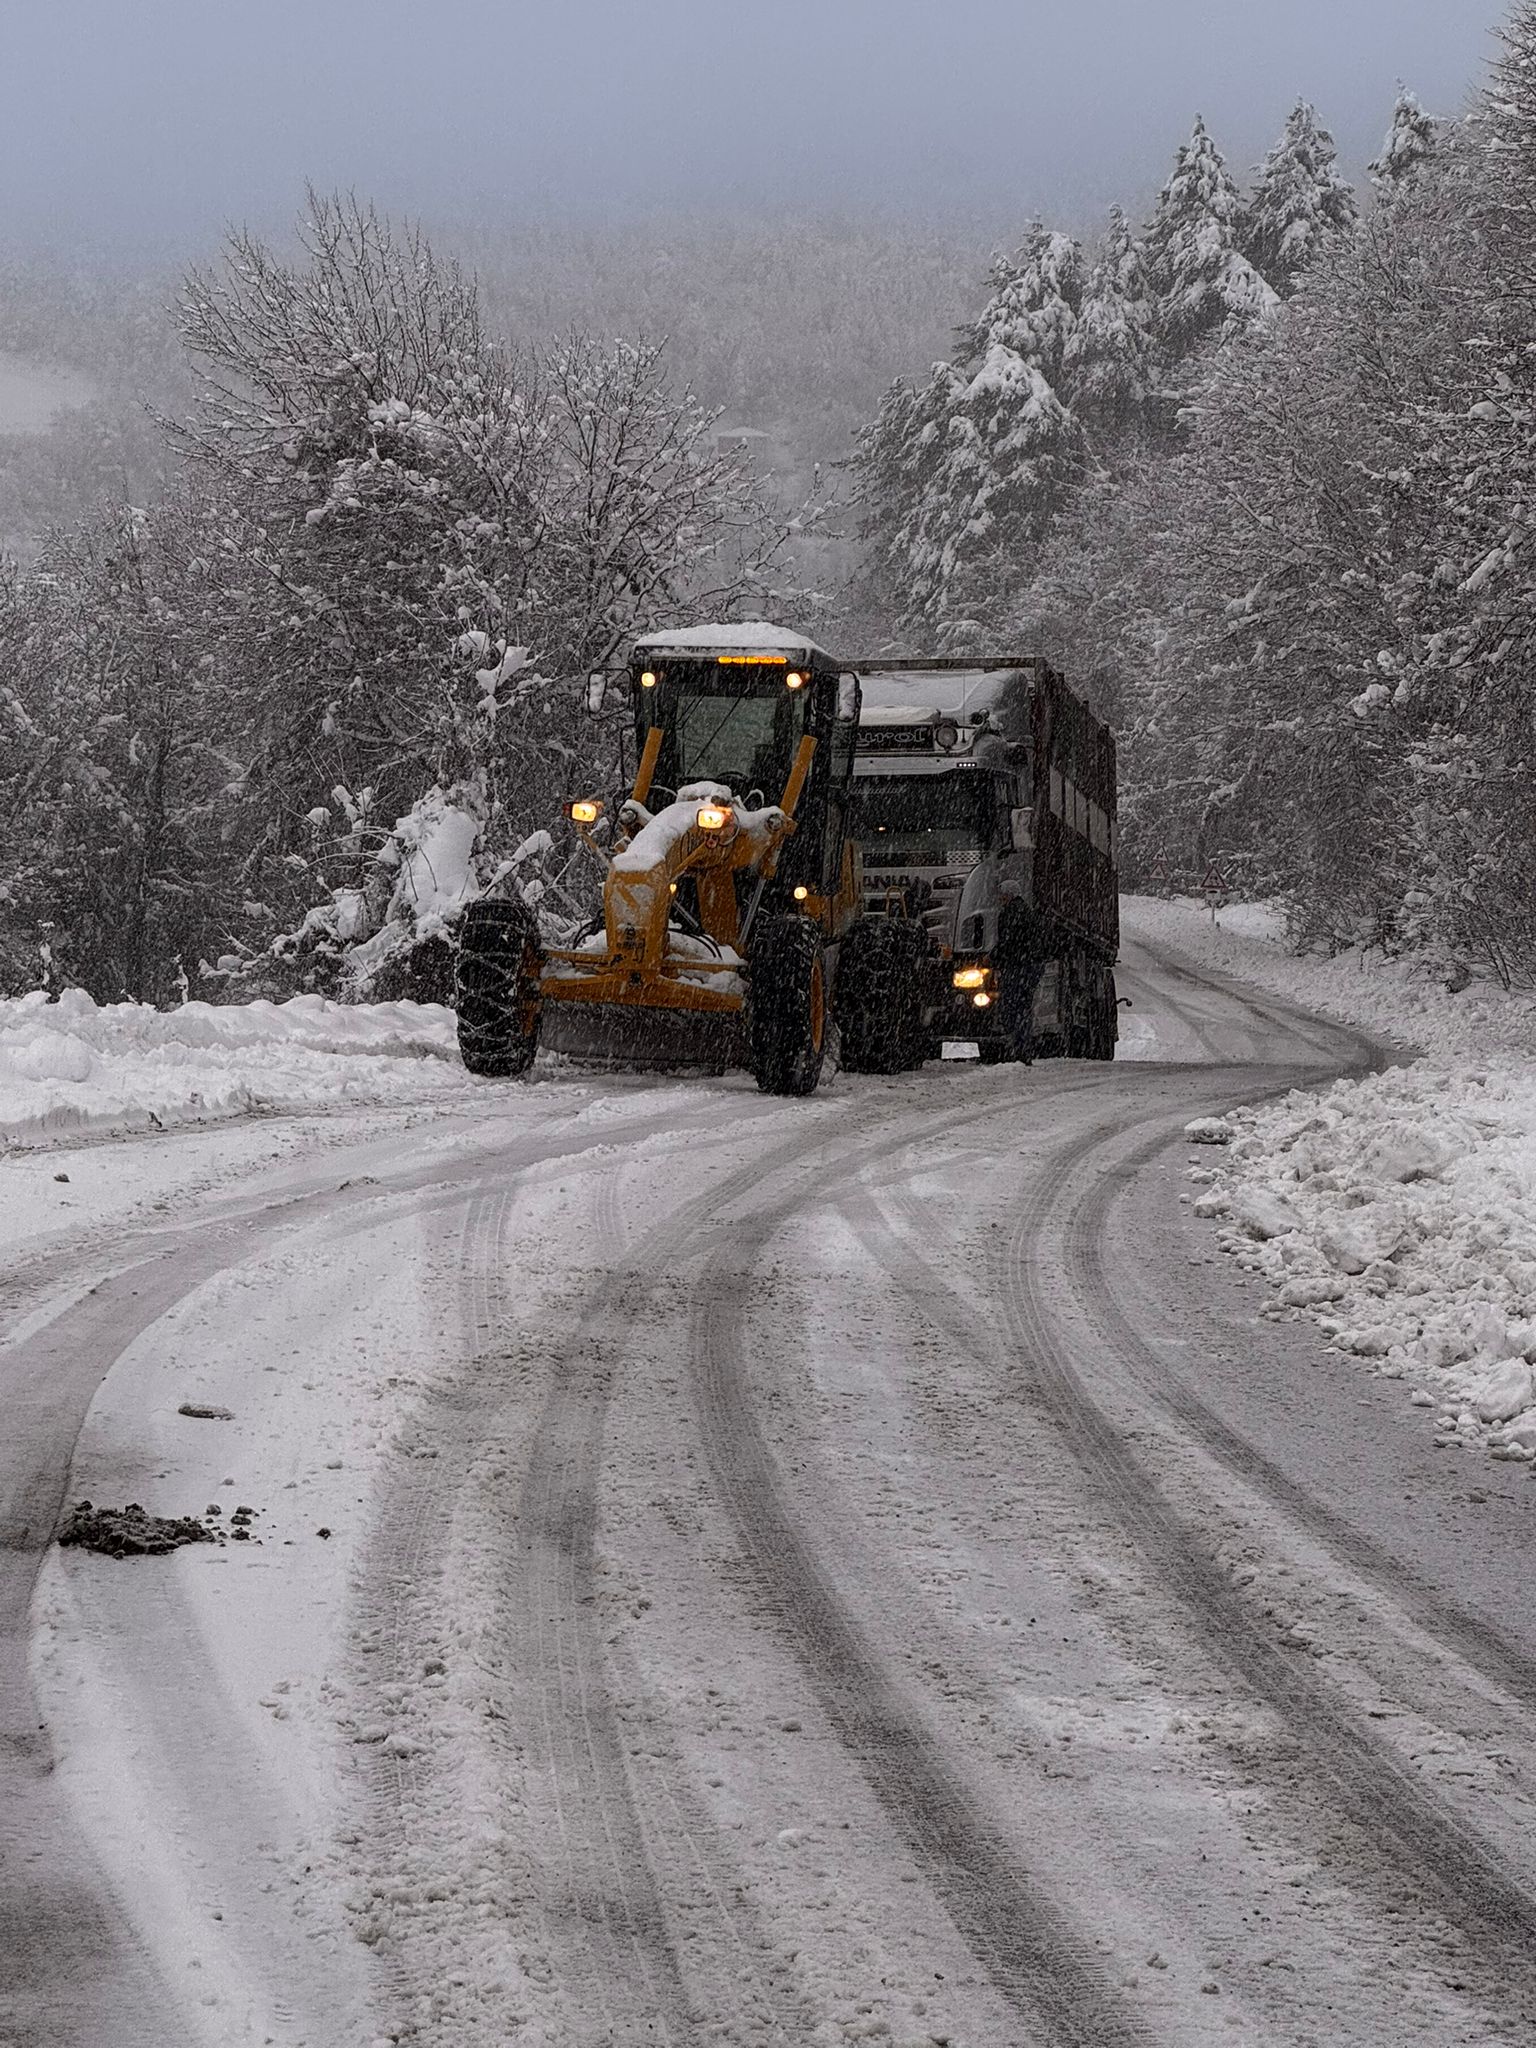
pixel 921 820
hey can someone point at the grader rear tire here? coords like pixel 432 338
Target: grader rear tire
pixel 788 1006
pixel 498 989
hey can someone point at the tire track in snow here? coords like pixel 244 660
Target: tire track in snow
pixel 616 1818
pixel 1395 1823
pixel 70 1943
pixel 1033 1954
pixel 1478 1643
pixel 399 1603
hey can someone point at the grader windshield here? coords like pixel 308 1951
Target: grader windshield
pixel 734 722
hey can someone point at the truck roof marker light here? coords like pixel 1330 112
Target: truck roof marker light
pixel 714 817
pixel 970 977
pixel 794 680
pixel 753 660
pixel 648 679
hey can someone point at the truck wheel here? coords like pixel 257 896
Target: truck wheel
pixel 498 988
pixel 788 1006
pixel 1080 1008
pixel 878 1000
pixel 1107 1016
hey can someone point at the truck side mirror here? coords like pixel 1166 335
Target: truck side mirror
pixel 1022 827
pixel 597 692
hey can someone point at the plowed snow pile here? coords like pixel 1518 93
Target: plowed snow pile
pixel 74 1066
pixel 1399 1211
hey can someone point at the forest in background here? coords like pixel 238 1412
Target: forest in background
pixel 1254 471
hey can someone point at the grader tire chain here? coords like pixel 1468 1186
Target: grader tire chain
pixel 788 1006
pixel 877 998
pixel 497 983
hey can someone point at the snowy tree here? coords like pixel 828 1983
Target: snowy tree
pixel 1410 141
pixel 117 870
pixel 1298 202
pixel 1201 282
pixel 1318 611
pixel 1106 363
pixel 436 535
pixel 960 480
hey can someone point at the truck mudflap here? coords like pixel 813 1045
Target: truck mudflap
pixel 638 1035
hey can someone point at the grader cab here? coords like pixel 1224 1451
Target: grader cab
pixel 729 878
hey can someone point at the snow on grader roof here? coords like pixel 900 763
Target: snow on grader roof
pixel 747 636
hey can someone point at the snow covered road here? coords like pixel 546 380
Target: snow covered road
pixel 743 1571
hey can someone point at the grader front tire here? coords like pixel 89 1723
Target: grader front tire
pixel 788 1012
pixel 498 989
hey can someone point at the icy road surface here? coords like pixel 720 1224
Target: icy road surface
pixel 736 1571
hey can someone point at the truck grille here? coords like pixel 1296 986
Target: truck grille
pixel 902 739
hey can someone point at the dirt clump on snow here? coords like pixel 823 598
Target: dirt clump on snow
pixel 131 1531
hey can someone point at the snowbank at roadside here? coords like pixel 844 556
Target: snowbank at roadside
pixel 1391 999
pixel 1398 1211
pixel 74 1067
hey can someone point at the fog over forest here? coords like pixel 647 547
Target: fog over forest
pixel 802 199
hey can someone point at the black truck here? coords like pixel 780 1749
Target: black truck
pixel 983 805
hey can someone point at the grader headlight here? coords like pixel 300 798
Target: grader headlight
pixel 584 810
pixel 971 977
pixel 715 817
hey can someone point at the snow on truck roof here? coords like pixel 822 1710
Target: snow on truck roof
pixel 746 636
pixel 908 696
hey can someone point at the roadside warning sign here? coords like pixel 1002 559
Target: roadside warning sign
pixel 1215 888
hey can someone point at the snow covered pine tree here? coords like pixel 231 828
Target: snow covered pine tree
pixel 960 480
pixel 1201 281
pixel 1298 202
pixel 1410 141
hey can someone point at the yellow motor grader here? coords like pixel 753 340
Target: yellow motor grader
pixel 731 882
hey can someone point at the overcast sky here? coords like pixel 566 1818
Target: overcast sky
pixel 149 123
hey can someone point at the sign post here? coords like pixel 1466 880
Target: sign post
pixel 1215 887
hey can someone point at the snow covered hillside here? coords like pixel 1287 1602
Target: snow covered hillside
pixel 1398 1211
pixel 75 1067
